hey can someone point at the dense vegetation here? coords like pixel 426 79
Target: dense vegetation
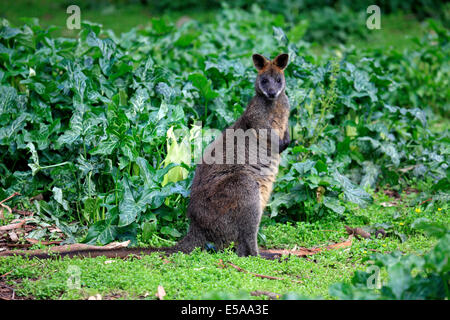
pixel 102 126
pixel 84 121
pixel 291 9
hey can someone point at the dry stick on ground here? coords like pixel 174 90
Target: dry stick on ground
pixel 5 274
pixel 259 275
pixel 19 245
pixel 13 226
pixel 5 206
pixel 67 248
pixel 301 252
pixel 365 234
pixel 357 232
pixel 45 243
pixel 3 285
pixel 11 196
pixel 425 201
pixel 23 212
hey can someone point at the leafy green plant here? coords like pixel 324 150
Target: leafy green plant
pixel 328 25
pixel 410 277
pixel 84 122
pixel 344 120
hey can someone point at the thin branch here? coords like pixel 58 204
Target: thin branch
pixel 11 196
pixel 259 275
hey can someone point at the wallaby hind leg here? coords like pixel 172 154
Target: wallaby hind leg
pixel 193 239
pixel 247 245
pixel 248 229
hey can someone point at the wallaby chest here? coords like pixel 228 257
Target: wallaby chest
pixel 277 120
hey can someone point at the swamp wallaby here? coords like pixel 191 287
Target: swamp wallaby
pixel 233 183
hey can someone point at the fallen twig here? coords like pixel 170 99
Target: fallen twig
pixel 19 245
pixel 23 212
pixel 365 234
pixel 12 226
pixel 357 232
pixel 406 169
pixel 68 248
pixel 301 252
pixel 4 275
pixel 429 199
pixel 389 204
pixel 34 241
pixel 11 196
pixel 257 274
pixel 38 197
pixel 5 206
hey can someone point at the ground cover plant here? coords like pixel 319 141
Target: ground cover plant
pixel 204 275
pixel 96 143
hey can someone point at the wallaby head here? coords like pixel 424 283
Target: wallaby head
pixel 270 81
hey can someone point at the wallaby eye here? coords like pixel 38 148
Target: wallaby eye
pixel 264 81
pixel 278 80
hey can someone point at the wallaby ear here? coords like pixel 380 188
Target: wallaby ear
pixel 281 61
pixel 259 61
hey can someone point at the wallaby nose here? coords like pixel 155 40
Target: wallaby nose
pixel 271 94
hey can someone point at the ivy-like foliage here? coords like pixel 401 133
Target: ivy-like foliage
pixel 85 122
pixel 410 277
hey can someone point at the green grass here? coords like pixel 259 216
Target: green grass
pixel 200 275
pixel 397 31
pixel 117 18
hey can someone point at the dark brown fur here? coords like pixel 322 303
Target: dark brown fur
pixel 227 200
